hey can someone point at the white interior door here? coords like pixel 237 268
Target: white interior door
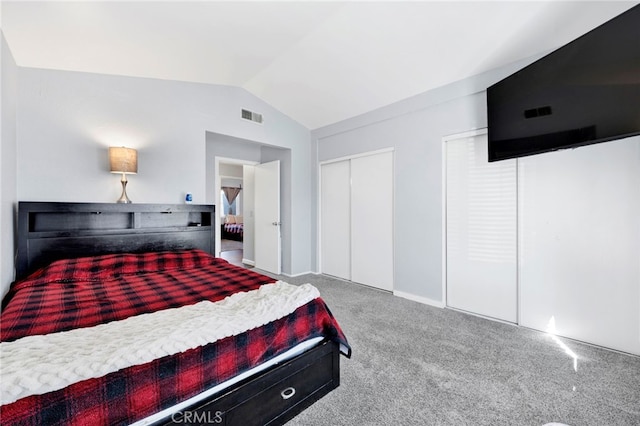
pixel 372 220
pixel 267 217
pixel 335 219
pixel 481 230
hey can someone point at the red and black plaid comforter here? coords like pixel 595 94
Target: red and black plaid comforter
pixel 89 291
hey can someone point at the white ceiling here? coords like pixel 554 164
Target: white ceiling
pixel 317 62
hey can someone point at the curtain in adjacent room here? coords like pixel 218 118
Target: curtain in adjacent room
pixel 231 193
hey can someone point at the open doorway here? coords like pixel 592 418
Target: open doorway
pixel 267 246
pixel 234 193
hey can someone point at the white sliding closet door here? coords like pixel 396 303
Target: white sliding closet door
pixel 481 230
pixel 356 237
pixel 372 220
pixel 580 239
pixel 335 221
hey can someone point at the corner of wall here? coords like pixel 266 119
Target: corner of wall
pixel 8 160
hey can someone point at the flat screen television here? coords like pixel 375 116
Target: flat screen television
pixel 585 92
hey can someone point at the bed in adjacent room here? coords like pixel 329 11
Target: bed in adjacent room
pixel 232 228
pixel 121 315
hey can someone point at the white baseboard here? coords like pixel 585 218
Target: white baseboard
pixel 248 262
pixel 297 275
pixel 419 299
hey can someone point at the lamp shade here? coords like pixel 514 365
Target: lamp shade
pixel 123 160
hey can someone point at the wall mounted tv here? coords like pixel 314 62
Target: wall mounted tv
pixel 586 92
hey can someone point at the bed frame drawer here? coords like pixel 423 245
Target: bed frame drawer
pixel 273 397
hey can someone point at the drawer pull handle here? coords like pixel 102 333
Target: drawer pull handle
pixel 288 393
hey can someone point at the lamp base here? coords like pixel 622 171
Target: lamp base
pixel 123 197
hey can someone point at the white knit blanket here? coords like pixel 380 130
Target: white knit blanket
pixel 34 365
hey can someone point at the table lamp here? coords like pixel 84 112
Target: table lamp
pixel 123 160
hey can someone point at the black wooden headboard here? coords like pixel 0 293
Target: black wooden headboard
pixel 51 231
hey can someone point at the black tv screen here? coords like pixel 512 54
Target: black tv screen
pixel 585 92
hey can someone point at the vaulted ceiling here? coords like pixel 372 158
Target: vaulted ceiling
pixel 318 62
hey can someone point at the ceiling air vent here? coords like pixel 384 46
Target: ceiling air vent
pixel 253 116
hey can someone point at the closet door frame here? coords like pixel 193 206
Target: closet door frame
pixel 348 158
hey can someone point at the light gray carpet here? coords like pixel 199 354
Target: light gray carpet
pixel 414 364
pixel 228 245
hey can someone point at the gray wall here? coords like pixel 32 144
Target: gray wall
pixel 8 162
pixel 218 145
pixel 415 128
pixel 66 121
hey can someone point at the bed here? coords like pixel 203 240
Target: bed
pixel 232 228
pixel 126 296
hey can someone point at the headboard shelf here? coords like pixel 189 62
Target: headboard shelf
pixel 101 232
pixel 49 231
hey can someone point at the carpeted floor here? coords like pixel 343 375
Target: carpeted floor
pixel 414 364
pixel 228 245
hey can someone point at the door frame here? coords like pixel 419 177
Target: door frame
pixel 218 187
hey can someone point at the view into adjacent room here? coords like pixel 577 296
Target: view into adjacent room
pixel 231 213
